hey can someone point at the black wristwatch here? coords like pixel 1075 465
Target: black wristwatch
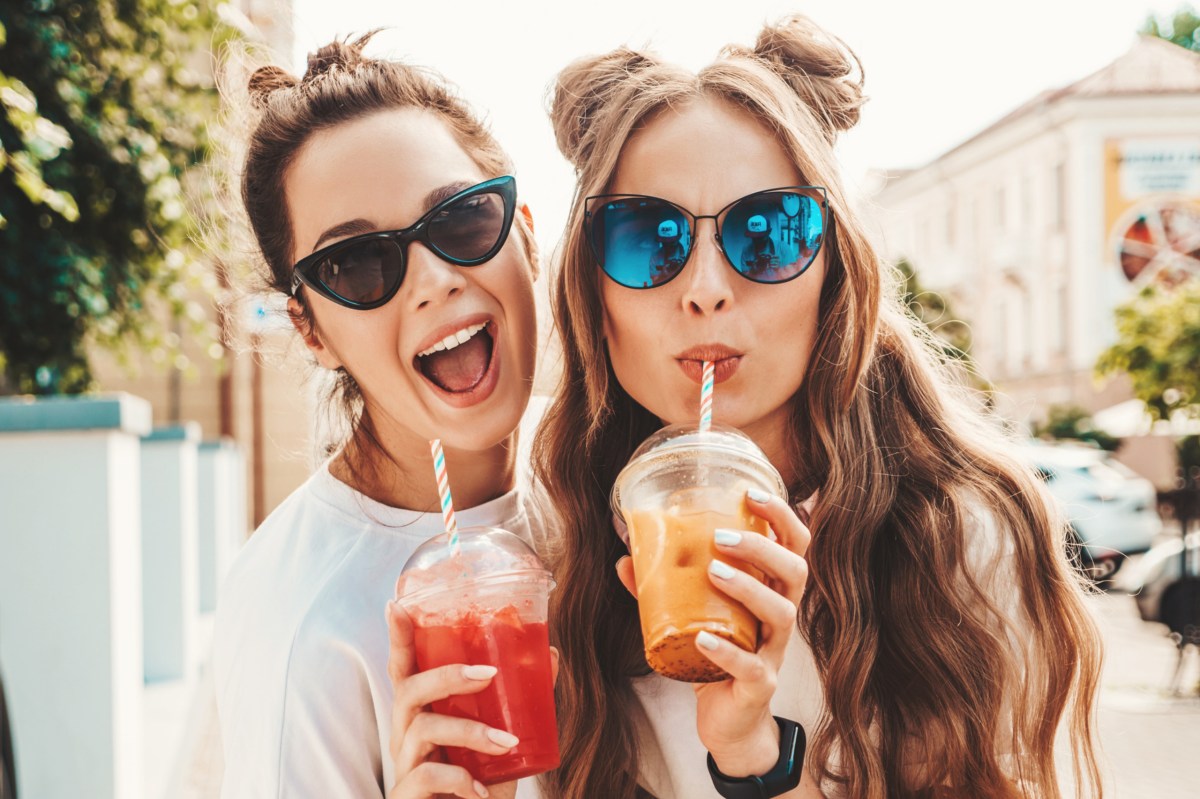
pixel 779 780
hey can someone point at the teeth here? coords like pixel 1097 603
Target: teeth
pixel 453 340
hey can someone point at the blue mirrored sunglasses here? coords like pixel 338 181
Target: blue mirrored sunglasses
pixel 770 236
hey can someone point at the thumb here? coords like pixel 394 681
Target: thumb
pixel 625 575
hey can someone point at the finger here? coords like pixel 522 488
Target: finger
pixel 429 731
pixel 413 693
pixel 790 531
pixel 776 560
pixel 431 779
pixel 753 675
pixel 554 665
pixel 401 652
pixel 776 611
pixel 626 576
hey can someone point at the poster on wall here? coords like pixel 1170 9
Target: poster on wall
pixel 1152 208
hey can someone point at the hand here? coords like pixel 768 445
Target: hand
pixel 418 734
pixel 734 718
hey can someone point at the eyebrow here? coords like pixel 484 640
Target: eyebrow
pixel 355 227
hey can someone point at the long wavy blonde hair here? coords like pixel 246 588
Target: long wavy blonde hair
pixel 933 684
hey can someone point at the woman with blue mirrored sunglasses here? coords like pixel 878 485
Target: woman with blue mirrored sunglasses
pixel 932 639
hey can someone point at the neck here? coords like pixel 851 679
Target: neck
pixel 771 434
pixel 393 466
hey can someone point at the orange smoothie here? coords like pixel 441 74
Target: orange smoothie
pixel 671 549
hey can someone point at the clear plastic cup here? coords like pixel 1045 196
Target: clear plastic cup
pixel 486 605
pixel 680 485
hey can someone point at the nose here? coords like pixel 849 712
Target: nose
pixel 430 280
pixel 708 286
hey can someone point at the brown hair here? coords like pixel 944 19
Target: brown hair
pixel 340 85
pixel 927 676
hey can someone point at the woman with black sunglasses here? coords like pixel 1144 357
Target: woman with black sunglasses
pixel 387 215
pixel 940 639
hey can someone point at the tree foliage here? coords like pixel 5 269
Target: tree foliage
pixel 1158 346
pixel 1072 423
pixel 105 106
pixel 1183 28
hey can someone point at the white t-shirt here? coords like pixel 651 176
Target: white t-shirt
pixel 301 643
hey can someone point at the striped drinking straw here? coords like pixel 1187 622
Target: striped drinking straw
pixel 706 396
pixel 443 484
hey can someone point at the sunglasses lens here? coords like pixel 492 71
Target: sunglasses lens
pixel 640 241
pixel 470 229
pixel 362 272
pixel 773 236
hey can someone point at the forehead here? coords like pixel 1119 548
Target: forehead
pixel 378 167
pixel 702 155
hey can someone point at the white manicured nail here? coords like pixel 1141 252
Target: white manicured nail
pixel 706 640
pixel 757 495
pixel 722 570
pixel 479 672
pixel 727 538
pixel 502 738
pixel 481 789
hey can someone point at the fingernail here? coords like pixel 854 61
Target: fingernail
pixel 706 640
pixel 480 789
pixel 758 495
pixel 722 570
pixel 727 538
pixel 479 672
pixel 502 738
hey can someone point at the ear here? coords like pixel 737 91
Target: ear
pixel 525 212
pixel 312 339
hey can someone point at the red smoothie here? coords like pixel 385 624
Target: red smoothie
pixel 520 698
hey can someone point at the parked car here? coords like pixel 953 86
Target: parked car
pixel 1112 511
pixel 1157 570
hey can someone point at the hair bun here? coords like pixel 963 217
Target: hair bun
pixel 822 70
pixel 266 80
pixel 581 92
pixel 337 55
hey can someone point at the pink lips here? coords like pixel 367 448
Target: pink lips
pixel 725 362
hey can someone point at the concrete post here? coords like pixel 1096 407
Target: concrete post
pixel 70 592
pixel 170 553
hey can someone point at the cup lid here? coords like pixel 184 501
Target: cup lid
pixel 684 439
pixel 485 554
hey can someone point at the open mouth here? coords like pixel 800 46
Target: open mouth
pixel 460 362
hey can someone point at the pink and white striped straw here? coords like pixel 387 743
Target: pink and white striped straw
pixel 443 484
pixel 706 396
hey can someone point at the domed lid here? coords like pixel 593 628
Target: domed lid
pixel 679 443
pixel 485 555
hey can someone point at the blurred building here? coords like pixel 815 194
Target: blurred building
pixel 1038 226
pixel 257 393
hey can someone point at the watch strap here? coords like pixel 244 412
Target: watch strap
pixel 783 777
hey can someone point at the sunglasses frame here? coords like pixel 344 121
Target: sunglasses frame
pixel 589 226
pixel 304 272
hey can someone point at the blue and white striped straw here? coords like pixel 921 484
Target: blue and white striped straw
pixel 443 484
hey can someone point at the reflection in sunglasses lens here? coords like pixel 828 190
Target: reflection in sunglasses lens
pixel 362 271
pixel 774 236
pixel 642 242
pixel 470 228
